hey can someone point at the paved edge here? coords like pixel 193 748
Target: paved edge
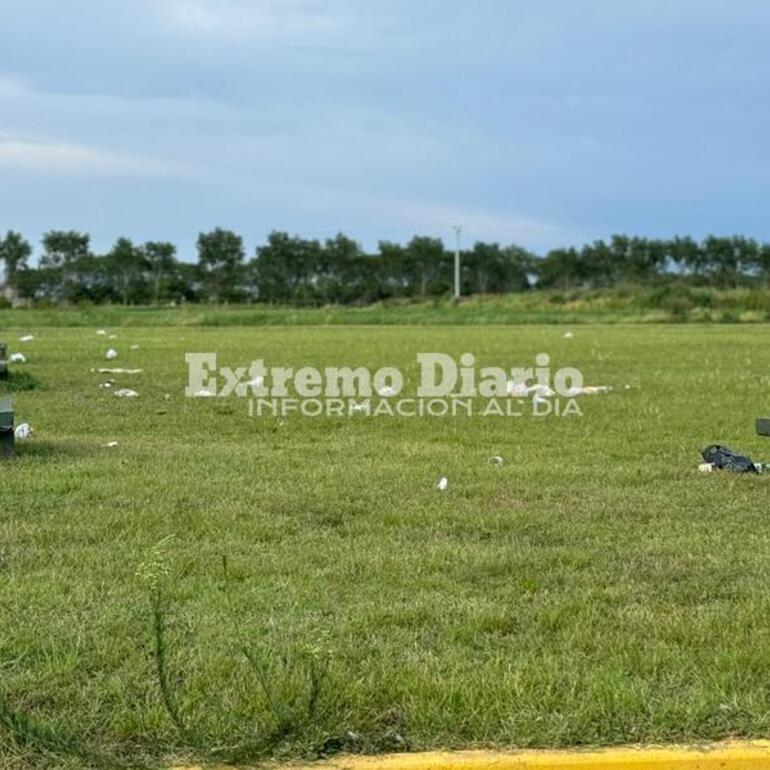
pixel 732 755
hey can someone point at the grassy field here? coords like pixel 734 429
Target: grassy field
pixel 314 592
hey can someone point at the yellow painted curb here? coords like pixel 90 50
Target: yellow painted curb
pixel 734 755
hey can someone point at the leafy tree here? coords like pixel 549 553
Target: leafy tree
pixel 220 260
pixel 639 260
pixel 160 261
pixel 287 268
pixel 428 266
pixel 746 252
pixel 562 269
pixel 61 248
pixel 726 258
pixel 126 264
pixel 392 277
pixel 599 266
pixel 42 283
pixel 341 272
pixel 183 283
pixel 15 251
pixel 762 264
pixel 489 269
pixel 61 251
pixel 686 256
pixel 93 279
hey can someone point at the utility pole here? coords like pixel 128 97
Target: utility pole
pixel 457 230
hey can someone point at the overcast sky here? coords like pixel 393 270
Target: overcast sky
pixel 543 123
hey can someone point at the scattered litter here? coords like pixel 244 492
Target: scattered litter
pixel 386 392
pixel 627 387
pixel 588 390
pixel 116 371
pixel 107 384
pixel 706 467
pixel 23 431
pixel 101 332
pixel 203 394
pixel 167 397
pixel 518 389
pixel 521 390
pixel 496 460
pixel 722 457
pixel 27 338
pixel 356 408
pixel 110 445
pixel 112 337
pixel 111 353
pixel 568 335
pixel 135 347
pixel 443 483
pixel 126 393
pixel 542 391
pixel 17 358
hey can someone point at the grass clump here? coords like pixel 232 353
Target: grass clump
pixel 19 382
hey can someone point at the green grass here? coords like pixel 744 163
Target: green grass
pixel 672 303
pixel 319 594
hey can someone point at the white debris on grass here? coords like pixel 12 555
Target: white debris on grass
pixel 112 337
pixel 568 335
pixel 17 358
pixel 101 332
pixel 517 389
pixel 107 384
pixel 386 392
pixel 116 371
pixel 542 391
pixel 110 445
pixel 23 431
pixel 706 467
pixel 443 483
pixel 587 390
pixel 496 460
pixel 27 338
pixel 111 353
pixel 135 347
pixel 126 393
pixel 521 390
pixel 203 394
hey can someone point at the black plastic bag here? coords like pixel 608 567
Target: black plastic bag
pixel 724 457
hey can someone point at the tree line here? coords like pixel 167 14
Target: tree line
pixel 289 269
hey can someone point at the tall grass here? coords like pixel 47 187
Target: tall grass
pixel 671 303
